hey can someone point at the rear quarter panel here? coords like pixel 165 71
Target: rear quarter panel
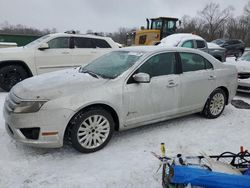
pixel 226 76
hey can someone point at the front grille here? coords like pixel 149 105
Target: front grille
pixel 244 88
pixel 11 102
pixel 31 133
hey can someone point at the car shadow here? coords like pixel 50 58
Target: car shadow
pixel 150 128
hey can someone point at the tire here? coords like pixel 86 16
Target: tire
pixel 88 125
pixel 241 52
pixel 215 104
pixel 10 75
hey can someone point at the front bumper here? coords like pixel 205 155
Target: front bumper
pixel 53 121
pixel 244 85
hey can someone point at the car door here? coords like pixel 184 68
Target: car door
pixel 87 49
pixel 158 99
pixel 197 81
pixel 56 57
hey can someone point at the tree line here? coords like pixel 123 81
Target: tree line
pixel 19 29
pixel 212 22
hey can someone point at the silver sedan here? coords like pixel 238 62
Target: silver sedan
pixel 124 89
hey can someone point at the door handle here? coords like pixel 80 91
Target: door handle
pixel 211 77
pixel 171 84
pixel 65 52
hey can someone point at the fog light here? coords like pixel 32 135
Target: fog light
pixel 31 133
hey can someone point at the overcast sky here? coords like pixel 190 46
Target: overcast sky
pixel 100 15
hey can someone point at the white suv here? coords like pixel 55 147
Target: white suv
pixel 49 53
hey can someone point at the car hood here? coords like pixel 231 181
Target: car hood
pixel 56 84
pixel 12 49
pixel 242 66
pixel 13 53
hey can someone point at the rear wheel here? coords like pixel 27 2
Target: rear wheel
pixel 215 104
pixel 91 130
pixel 10 75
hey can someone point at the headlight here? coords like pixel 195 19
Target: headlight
pixel 28 106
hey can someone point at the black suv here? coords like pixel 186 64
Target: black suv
pixel 233 46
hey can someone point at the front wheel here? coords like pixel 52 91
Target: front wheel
pixel 10 75
pixel 92 130
pixel 215 104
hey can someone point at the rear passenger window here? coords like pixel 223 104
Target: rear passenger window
pixel 188 44
pixel 160 64
pixel 200 44
pixel 99 43
pixel 60 42
pixel 82 42
pixel 194 62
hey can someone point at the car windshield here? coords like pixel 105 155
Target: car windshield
pixel 37 41
pixel 245 57
pixel 112 64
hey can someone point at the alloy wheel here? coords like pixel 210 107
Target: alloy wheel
pixel 93 131
pixel 217 104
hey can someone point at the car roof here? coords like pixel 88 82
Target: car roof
pixel 152 49
pixel 175 39
pixel 78 35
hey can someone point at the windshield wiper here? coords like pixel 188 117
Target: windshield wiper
pixel 95 74
pixel 105 77
pixel 90 73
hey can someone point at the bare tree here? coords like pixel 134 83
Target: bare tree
pixel 214 19
pixel 121 35
pixel 191 25
pixel 247 8
pixel 6 28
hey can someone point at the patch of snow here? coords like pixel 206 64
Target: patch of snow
pixel 7 44
pixel 174 39
pixel 126 161
pixel 231 60
pixel 119 45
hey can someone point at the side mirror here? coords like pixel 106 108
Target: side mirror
pixel 142 78
pixel 44 46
